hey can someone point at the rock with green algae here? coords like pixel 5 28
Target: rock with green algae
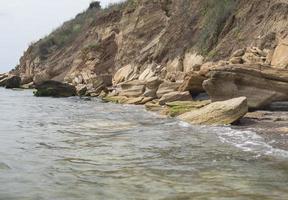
pixel 125 100
pixel 218 113
pixel 177 108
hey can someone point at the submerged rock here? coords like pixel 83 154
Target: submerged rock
pixel 55 89
pixel 218 113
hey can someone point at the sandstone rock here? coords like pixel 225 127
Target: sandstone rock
pixel 236 60
pixel 167 87
pixel 25 79
pixel 28 86
pixel 174 65
pixel 13 82
pixel 175 96
pixel 193 83
pixel 3 79
pixel 152 86
pixel 175 76
pixel 81 90
pixel 280 56
pixel 133 88
pixel 218 113
pixel 239 53
pixel 177 108
pixel 55 89
pixel 261 85
pixel 147 74
pixel 41 77
pixel 126 73
pixel 192 60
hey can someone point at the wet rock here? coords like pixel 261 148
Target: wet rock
pixel 13 82
pixel 261 85
pixel 177 108
pixel 218 113
pixel 28 86
pixel 175 96
pixel 81 90
pixel 55 89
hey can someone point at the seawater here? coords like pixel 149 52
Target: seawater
pixel 72 149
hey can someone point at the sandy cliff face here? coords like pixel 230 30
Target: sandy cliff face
pixel 163 37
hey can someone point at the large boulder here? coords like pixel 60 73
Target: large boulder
pixel 175 96
pixel 55 89
pixel 261 85
pixel 193 83
pixel 13 82
pixel 218 113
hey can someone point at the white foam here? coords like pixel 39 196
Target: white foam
pixel 247 141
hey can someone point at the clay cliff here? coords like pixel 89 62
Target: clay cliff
pixel 155 49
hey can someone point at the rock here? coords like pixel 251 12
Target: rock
pixel 126 73
pixel 152 86
pixel 133 88
pixel 177 108
pixel 41 77
pixel 174 65
pixel 13 82
pixel 55 89
pixel 192 61
pixel 280 56
pixel 218 113
pixel 154 106
pixel 193 83
pixel 116 99
pixel 175 96
pixel 175 76
pixel 167 87
pixel 28 86
pixel 25 79
pixel 3 79
pixel 81 90
pixel 236 60
pixel 139 100
pixel 261 85
pixel 147 74
pixel 239 53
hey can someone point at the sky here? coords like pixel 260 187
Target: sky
pixel 25 21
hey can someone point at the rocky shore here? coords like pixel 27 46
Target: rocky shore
pixel 146 53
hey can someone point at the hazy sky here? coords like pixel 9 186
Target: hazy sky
pixel 26 21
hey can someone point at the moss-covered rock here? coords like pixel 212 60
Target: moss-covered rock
pixel 177 108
